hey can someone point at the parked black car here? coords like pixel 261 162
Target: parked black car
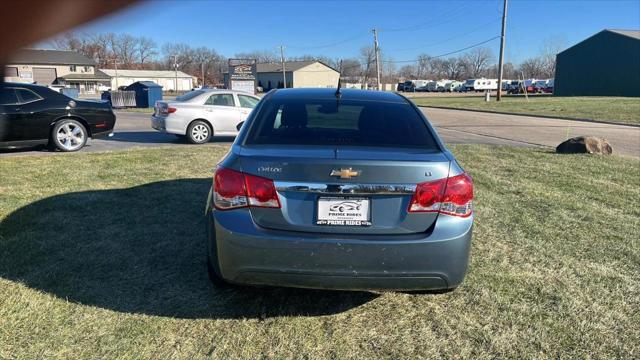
pixel 34 115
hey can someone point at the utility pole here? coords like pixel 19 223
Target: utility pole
pixel 175 67
pixel 377 50
pixel 115 65
pixel 501 61
pixel 284 72
pixel 202 69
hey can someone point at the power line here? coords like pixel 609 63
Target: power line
pixel 446 54
pixel 452 15
pixel 329 45
pixel 447 39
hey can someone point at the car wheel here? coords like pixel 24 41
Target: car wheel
pixel 69 135
pixel 198 132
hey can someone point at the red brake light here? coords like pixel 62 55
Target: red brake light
pixel 451 196
pixel 228 189
pixel 233 189
pixel 261 191
pixel 428 196
pixel 458 196
pixel 171 110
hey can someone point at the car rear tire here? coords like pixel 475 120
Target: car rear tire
pixel 68 135
pixel 199 132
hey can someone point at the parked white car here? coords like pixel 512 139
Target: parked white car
pixel 199 114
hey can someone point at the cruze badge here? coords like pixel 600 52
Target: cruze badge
pixel 345 173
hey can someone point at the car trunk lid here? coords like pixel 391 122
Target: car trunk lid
pixel 381 179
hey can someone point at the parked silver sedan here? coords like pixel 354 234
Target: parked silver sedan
pixel 199 114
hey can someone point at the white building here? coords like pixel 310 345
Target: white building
pixel 165 78
pixel 59 67
pixel 299 74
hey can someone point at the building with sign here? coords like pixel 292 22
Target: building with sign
pixel 47 67
pixel 168 79
pixel 299 74
pixel 242 75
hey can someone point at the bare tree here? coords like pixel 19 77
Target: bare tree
pixel 124 48
pixel 146 49
pixel 550 48
pixel 367 59
pixel 103 52
pixel 389 72
pixel 424 66
pixel 453 68
pixel 477 61
pixel 262 56
pixel 408 72
pixel 209 61
pixel 351 69
pixel 533 68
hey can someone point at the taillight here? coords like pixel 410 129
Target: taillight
pixel 458 196
pixel 233 189
pixel 228 189
pixel 451 196
pixel 261 192
pixel 428 196
pixel 171 110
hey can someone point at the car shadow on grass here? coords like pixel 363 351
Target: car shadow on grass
pixel 140 250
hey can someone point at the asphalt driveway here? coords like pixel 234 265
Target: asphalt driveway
pixel 459 126
pixel 454 126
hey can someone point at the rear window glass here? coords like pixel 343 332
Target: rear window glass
pixel 190 95
pixel 8 96
pixel 27 95
pixel 343 123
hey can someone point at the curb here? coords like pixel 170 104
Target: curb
pixel 532 115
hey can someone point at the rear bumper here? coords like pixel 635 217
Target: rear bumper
pixel 158 123
pixel 248 254
pixel 102 134
pixel 173 124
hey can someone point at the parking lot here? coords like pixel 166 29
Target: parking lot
pixel 454 126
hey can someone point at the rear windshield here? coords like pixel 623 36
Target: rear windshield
pixel 190 95
pixel 343 123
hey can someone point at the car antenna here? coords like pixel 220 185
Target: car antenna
pixel 338 93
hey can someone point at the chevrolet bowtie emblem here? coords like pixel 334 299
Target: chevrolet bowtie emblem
pixel 345 173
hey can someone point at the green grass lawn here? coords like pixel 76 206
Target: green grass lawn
pixel 610 109
pixel 102 255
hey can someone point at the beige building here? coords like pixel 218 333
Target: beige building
pixel 59 67
pixel 299 74
pixel 165 78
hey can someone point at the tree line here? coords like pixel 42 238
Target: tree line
pixel 130 52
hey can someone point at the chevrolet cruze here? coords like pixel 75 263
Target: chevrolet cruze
pixel 344 189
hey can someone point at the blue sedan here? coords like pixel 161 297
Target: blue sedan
pixel 339 189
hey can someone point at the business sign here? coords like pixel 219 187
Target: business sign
pixel 242 75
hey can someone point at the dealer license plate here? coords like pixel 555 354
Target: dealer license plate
pixel 344 211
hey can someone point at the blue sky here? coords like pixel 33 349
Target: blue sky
pixel 338 29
